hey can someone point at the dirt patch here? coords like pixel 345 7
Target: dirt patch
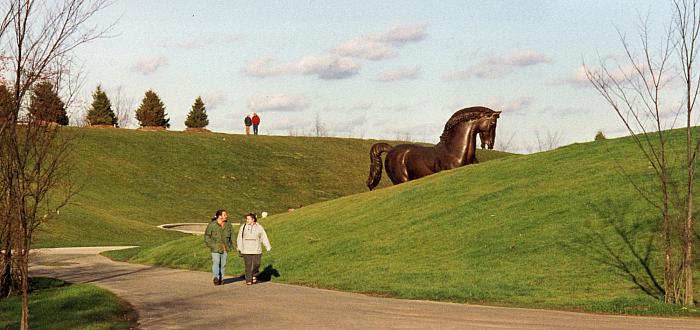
pixel 197 130
pixel 151 128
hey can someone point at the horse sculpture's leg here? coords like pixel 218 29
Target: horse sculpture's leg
pixel 396 168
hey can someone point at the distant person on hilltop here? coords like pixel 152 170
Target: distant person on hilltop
pixel 250 236
pixel 247 121
pixel 219 239
pixel 256 122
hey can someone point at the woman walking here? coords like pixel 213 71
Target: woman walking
pixel 219 239
pixel 250 237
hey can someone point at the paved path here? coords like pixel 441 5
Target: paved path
pixel 180 299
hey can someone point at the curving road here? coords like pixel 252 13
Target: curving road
pixel 180 299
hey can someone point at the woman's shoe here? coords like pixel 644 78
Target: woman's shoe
pixel 255 280
pixel 248 283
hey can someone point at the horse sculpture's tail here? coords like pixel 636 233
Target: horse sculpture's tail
pixel 375 165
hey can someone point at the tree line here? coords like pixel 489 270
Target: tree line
pixel 46 105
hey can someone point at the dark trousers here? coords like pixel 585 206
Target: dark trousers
pixel 252 266
pixel 255 129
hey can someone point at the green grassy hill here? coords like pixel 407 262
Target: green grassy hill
pixel 535 230
pixel 132 181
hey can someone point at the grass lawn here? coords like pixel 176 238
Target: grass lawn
pixel 54 304
pixel 530 231
pixel 132 181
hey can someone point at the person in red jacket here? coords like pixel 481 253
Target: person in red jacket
pixel 256 122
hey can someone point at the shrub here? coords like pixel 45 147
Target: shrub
pixel 599 136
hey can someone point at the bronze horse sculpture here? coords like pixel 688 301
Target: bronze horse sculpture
pixel 457 147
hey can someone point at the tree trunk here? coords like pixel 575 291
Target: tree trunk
pixel 24 272
pixel 688 296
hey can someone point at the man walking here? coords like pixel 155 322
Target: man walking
pixel 256 122
pixel 247 121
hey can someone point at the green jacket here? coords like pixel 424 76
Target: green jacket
pixel 216 237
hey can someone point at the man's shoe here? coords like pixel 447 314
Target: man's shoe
pixel 216 281
pixel 221 281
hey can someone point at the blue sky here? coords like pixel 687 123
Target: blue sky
pixel 372 69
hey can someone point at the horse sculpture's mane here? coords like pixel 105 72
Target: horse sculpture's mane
pixel 465 114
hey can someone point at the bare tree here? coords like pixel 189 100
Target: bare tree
pixel 642 93
pixel 506 142
pixel 33 165
pixel 549 141
pixel 319 127
pixel 123 107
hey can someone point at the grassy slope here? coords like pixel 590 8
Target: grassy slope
pixel 55 305
pixel 521 230
pixel 134 180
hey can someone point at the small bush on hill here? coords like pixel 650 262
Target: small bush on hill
pixel 600 136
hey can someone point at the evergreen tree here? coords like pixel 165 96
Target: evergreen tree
pixel 151 112
pixel 101 112
pixel 197 118
pixel 46 105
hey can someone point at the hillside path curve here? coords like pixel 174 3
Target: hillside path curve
pixel 181 299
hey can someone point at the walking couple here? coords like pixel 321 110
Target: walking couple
pixel 254 121
pixel 219 238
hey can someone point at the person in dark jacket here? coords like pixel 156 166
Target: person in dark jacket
pixel 219 238
pixel 256 121
pixel 247 121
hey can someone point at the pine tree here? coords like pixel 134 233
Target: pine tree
pixel 46 105
pixel 197 118
pixel 100 112
pixel 151 112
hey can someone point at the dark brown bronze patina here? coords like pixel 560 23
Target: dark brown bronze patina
pixel 457 147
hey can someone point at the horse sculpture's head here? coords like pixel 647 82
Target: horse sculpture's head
pixel 482 119
pixel 488 137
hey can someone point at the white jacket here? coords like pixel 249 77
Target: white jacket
pixel 250 238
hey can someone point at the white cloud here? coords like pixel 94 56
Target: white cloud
pixel 214 99
pixel 403 34
pixel 381 46
pixel 498 66
pixel 278 102
pixel 522 58
pixel 327 67
pixel 578 78
pixel 617 72
pixel 365 48
pixel 509 105
pixel 398 74
pixel 150 65
pixel 340 61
